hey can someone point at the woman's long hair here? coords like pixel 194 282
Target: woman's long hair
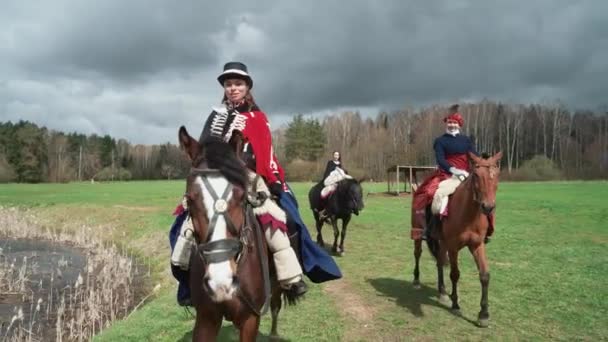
pixel 339 158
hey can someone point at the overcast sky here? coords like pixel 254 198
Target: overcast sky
pixel 140 69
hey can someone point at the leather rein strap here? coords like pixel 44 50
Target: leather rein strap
pixel 252 223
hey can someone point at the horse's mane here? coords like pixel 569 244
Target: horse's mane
pixel 346 182
pixel 220 155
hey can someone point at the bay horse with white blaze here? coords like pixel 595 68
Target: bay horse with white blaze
pixel 340 205
pixel 466 225
pixel 230 273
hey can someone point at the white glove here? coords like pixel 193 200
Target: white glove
pixel 458 172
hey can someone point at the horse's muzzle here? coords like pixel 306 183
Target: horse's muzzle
pixel 220 291
pixel 487 208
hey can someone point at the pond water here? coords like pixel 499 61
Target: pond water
pixel 43 282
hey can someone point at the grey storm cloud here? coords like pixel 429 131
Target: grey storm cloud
pixel 140 69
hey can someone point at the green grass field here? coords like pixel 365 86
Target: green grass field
pixel 548 264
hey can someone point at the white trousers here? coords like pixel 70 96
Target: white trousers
pixel 445 189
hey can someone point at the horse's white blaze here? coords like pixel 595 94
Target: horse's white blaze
pixel 220 274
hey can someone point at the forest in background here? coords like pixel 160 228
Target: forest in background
pixel 539 142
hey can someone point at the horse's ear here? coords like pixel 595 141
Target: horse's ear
pixel 188 143
pixel 473 158
pixel 497 157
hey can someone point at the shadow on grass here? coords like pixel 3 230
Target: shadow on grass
pixel 230 334
pixel 405 295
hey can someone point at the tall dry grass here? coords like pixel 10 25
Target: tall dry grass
pixel 102 293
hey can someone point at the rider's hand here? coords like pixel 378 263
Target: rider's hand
pixel 276 188
pixel 459 172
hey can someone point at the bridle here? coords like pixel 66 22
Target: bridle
pixel 222 250
pixel 225 249
pixel 475 178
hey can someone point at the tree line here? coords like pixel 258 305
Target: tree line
pixel 564 144
pixel 30 153
pixel 539 141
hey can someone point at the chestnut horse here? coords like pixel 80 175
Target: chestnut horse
pixel 465 226
pixel 231 275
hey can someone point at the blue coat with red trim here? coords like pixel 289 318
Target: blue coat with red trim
pixel 451 151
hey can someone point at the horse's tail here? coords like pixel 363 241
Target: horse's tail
pixel 290 297
pixel 433 243
pixel 433 247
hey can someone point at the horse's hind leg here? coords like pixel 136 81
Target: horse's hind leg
pixel 454 276
pixel 417 253
pixel 275 307
pixel 479 253
pixel 343 233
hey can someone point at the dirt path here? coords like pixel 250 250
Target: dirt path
pixel 358 314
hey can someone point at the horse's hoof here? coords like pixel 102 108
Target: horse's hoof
pixel 444 298
pixel 274 337
pixel 416 284
pixel 456 312
pixel 484 322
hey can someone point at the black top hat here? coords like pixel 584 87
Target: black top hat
pixel 235 70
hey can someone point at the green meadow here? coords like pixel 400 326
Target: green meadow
pixel 548 264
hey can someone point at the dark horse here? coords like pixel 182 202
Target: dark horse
pixel 231 275
pixel 465 226
pixel 345 201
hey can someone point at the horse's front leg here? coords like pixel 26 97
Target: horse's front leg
pixel 249 328
pixel 334 224
pixel 345 222
pixel 481 260
pixel 319 225
pixel 206 327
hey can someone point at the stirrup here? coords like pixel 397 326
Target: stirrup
pixel 185 302
pixel 425 233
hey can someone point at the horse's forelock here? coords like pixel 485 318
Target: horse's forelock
pixel 220 155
